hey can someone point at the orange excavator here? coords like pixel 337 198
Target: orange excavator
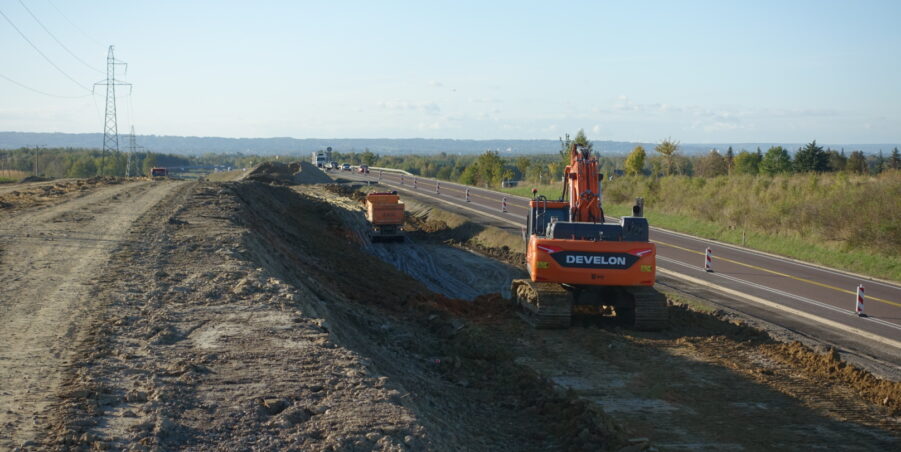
pixel 578 263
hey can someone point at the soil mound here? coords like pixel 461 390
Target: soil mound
pixel 286 174
pixel 34 179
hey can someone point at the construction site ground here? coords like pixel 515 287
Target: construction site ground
pixel 160 315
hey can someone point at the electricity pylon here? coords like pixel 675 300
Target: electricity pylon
pixel 110 130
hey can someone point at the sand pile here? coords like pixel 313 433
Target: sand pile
pixel 287 174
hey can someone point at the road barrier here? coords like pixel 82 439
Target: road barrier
pixel 858 305
pixel 467 195
pixel 708 261
pixel 504 204
pixel 380 176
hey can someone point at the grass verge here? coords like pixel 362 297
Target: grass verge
pixel 809 248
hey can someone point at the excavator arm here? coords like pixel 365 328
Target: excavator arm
pixel 582 184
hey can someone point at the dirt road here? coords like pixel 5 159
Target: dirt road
pixel 49 258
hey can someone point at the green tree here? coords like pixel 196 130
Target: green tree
pixel 776 161
pixel 491 168
pixel 566 144
pixel 836 160
pixel 811 158
pixel 894 161
pixel 522 165
pixel 470 175
pixel 711 165
pixel 368 158
pixel 83 167
pixel 149 162
pixel 745 163
pixel 730 159
pixel 668 149
pixel 857 163
pixel 635 161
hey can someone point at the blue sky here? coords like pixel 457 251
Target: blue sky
pixel 718 71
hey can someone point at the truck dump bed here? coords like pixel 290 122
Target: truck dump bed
pixel 385 213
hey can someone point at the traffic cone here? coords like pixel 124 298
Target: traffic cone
pixel 708 261
pixel 858 305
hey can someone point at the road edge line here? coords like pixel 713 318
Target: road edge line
pixel 770 304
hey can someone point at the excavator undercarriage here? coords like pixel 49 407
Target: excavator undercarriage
pixel 548 305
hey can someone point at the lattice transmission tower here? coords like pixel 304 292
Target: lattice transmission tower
pixel 131 162
pixel 110 129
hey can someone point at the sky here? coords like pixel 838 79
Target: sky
pixel 693 71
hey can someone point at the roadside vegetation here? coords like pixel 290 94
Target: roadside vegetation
pixel 818 205
pixel 75 162
pixel 821 205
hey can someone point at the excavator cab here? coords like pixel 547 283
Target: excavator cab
pixel 579 262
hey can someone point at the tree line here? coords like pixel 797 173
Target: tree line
pixel 83 163
pixel 492 169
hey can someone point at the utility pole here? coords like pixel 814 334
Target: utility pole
pixel 37 150
pixel 132 147
pixel 110 129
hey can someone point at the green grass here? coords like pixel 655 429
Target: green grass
pixel 808 249
pixel 832 220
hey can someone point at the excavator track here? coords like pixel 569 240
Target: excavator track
pixel 544 305
pixel 651 313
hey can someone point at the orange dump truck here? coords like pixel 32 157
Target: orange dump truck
pixel 385 214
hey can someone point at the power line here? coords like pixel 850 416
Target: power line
pixel 73 24
pixel 42 53
pixel 22 85
pixel 57 40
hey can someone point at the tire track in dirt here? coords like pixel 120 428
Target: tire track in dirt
pixel 49 259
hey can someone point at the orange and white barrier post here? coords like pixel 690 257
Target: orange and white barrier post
pixel 708 261
pixel 437 188
pixel 467 195
pixel 858 305
pixel 504 204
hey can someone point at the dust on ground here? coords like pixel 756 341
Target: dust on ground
pixel 49 258
pixel 243 318
pixel 40 193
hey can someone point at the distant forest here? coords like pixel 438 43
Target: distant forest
pixel 385 146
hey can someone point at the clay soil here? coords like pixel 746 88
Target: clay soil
pixel 243 316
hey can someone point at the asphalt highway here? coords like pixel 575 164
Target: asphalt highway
pixel 783 286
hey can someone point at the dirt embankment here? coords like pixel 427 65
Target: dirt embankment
pixel 51 253
pixel 16 196
pixel 245 319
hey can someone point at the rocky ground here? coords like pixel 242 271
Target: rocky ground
pixel 240 315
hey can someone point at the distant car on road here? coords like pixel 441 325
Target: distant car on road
pixel 364 169
pixel 345 167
